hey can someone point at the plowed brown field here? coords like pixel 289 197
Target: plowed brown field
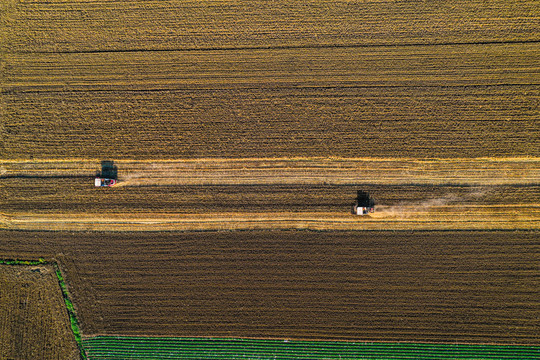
pixel 401 286
pixel 33 319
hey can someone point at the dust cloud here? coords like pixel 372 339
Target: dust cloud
pixel 412 208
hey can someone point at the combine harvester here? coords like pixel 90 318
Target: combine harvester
pixel 108 176
pixel 364 204
pixel 105 182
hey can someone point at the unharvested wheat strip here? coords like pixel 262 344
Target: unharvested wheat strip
pixel 386 219
pixel 292 171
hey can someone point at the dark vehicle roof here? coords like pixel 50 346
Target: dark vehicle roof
pixel 363 199
pixel 108 170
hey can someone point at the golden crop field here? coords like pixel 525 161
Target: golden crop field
pixel 242 131
pixel 385 102
pixel 161 25
pixel 252 194
pixel 33 318
pixel 253 79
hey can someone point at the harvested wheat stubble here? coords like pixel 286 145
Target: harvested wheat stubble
pixel 159 25
pixel 33 319
pixel 282 193
pixel 313 193
pixel 488 171
pixel 386 79
pixel 381 104
pixel 473 287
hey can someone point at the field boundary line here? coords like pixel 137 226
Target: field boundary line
pixel 286 47
pixel 285 158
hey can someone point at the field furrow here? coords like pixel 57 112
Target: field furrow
pixel 434 286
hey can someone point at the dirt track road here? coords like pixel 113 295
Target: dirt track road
pixel 316 194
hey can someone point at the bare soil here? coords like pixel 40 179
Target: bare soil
pixel 442 286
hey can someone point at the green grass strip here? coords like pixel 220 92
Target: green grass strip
pixel 69 305
pixel 71 311
pixel 134 347
pixel 41 261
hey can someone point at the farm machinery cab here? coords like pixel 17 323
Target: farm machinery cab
pixel 108 176
pixel 364 204
pixel 105 182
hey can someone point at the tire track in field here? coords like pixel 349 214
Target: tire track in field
pixel 287 47
pixel 445 217
pixel 247 194
pixel 281 86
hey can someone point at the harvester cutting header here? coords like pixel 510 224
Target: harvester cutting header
pixel 108 176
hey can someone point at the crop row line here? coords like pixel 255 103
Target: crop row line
pixel 221 348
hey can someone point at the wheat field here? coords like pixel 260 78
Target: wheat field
pixel 253 79
pixel 242 131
